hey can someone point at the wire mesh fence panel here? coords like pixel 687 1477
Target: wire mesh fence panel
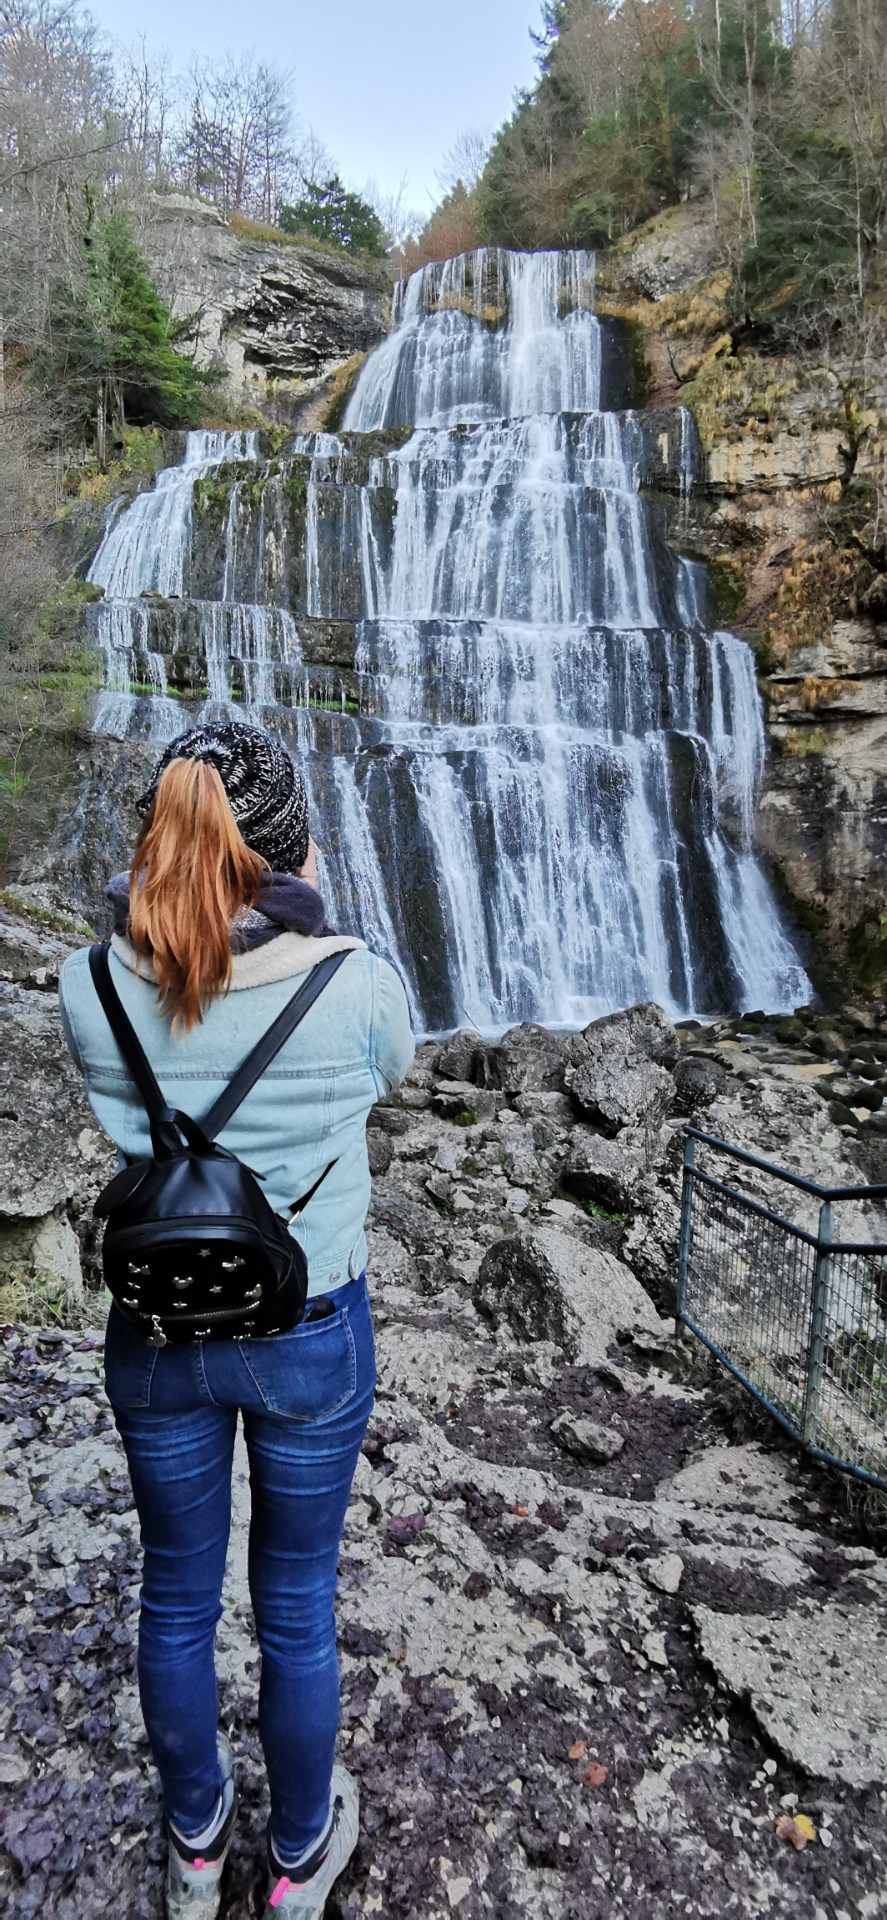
pixel 750 1289
pixel 799 1318
pixel 848 1418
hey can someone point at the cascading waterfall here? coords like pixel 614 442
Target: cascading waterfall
pixel 534 781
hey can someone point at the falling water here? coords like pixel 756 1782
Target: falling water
pixel 535 784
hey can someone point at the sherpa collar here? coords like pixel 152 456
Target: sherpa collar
pixel 285 934
pixel 278 959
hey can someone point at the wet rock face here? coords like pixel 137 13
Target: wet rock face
pixel 823 809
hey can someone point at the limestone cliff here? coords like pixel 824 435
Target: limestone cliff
pixel 275 317
pixel 777 450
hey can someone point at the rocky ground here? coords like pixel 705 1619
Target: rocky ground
pixel 610 1646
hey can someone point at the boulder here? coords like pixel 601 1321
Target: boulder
pixel 550 1115
pixel 456 1099
pixel 698 1081
pixel 856 1093
pixel 379 1150
pixel 617 1070
pixel 599 1169
pixel 651 1240
pixel 586 1439
pixel 465 1057
pixel 665 1572
pixel 529 1057
pixel 546 1285
pixel 519 1161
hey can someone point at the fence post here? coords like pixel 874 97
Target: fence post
pixel 815 1351
pixel 686 1208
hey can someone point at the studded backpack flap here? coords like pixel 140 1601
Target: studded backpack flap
pixel 192 1248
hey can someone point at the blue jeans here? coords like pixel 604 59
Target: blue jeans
pixel 306 1398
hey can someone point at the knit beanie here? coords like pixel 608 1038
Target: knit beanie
pixel 265 791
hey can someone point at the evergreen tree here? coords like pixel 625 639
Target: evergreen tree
pixel 329 212
pixel 111 345
pixel 811 206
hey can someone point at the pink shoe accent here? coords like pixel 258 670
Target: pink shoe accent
pixel 198 1863
pixel 282 1887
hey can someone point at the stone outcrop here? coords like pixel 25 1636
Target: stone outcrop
pixel 545 1287
pixel 802 1702
pixel 275 317
pixel 617 1069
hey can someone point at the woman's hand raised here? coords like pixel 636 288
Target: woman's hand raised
pixel 309 870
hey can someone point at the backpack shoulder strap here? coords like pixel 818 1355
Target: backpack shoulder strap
pixel 266 1049
pixel 126 1037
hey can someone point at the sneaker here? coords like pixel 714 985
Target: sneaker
pixel 193 1878
pixel 292 1899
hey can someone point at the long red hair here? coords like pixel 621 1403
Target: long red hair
pixel 192 874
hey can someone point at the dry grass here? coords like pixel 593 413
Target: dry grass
pixel 819 692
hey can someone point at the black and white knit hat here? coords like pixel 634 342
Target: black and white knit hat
pixel 265 791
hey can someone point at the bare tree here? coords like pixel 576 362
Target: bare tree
pixel 400 220
pixel 465 160
pixel 58 129
pixel 148 94
pixel 236 139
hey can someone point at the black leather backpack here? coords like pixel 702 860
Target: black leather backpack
pixel 192 1249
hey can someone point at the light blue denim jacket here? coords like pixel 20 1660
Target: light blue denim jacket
pixel 309 1108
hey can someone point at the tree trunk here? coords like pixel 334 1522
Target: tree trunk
pixel 101 423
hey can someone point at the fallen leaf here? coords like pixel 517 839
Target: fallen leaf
pixel 594 1774
pixel 578 1750
pixel 796 1832
pixel 405 1526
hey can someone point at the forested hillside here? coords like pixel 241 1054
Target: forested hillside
pixel 777 113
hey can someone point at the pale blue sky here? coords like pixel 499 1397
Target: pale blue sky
pixel 387 84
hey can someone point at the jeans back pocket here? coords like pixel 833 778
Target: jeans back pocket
pixel 129 1364
pixel 308 1374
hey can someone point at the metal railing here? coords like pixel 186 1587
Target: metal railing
pixel 799 1317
